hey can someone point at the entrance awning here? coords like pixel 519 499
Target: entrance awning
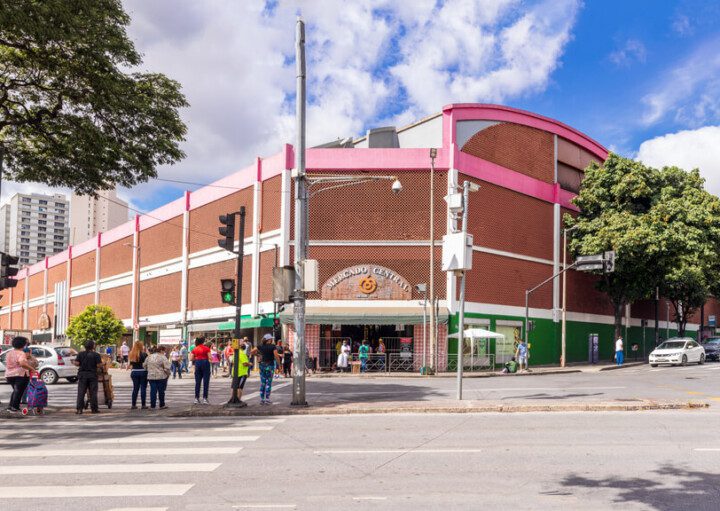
pixel 245 322
pixel 319 315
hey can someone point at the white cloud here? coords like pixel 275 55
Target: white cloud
pixel 688 149
pixel 690 91
pixel 681 25
pixel 632 51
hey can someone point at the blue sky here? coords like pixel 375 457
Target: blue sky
pixel 642 77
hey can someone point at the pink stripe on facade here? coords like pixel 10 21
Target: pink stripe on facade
pixel 375 159
pixel 162 214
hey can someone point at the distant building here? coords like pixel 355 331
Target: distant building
pixel 33 226
pixel 89 215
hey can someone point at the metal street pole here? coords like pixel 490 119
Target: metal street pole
pixel 433 347
pixel 301 218
pixel 564 300
pixel 667 320
pixel 234 398
pixel 461 319
pixel 657 315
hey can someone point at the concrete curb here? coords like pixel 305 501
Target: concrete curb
pixel 615 367
pixel 533 372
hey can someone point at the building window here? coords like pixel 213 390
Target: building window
pixel 60 205
pixel 26 199
pixel 58 244
pixel 23 261
pixel 24 233
pixel 42 222
pixel 41 229
pixel 58 237
pixel 26 254
pixel 59 224
pixel 24 247
pixel 25 226
pixel 59 231
pixel 43 202
pixel 24 240
pixel 43 215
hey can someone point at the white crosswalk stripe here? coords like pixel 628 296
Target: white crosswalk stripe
pixel 175 452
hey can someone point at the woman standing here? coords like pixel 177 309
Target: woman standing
pixel 175 361
pixel 200 358
pixel 214 359
pixel 344 357
pixel 138 374
pixel 158 372
pixel 17 372
pixel 287 361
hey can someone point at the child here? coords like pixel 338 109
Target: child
pixel 37 394
pixel 510 367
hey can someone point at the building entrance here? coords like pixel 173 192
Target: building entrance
pixel 385 341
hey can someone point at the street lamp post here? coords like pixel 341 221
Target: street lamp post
pixel 563 334
pixel 433 155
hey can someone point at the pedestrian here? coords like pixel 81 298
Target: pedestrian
pixel 157 366
pixel 183 359
pixel 268 358
pixel 124 353
pixel 190 350
pixel 138 374
pixel 175 363
pixel 278 365
pixel 200 356
pixel 287 361
pixel 109 351
pixel 343 358
pixel 229 356
pixel 381 351
pixel 363 355
pixel 214 359
pixel 619 352
pixel 243 368
pixel 510 367
pixel 522 355
pixel 88 362
pixel 17 371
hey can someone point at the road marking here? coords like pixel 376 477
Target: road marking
pixel 369 498
pixel 164 451
pixel 277 387
pixel 707 449
pixel 265 506
pixel 159 439
pixel 138 509
pixel 109 469
pixel 694 392
pixel 245 428
pixel 97 490
pixel 524 389
pixel 397 451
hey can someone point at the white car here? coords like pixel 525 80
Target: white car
pixel 55 362
pixel 677 351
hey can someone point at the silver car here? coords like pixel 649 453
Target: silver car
pixel 55 362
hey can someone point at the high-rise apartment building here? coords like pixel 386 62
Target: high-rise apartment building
pixel 89 215
pixel 33 226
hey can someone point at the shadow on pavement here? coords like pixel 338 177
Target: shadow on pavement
pixel 674 488
pixel 551 396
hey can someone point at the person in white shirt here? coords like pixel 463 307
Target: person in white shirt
pixel 124 352
pixel 619 353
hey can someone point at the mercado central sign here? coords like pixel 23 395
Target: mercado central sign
pixel 366 281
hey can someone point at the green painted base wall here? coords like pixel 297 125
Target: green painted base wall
pixel 545 339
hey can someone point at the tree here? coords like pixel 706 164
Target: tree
pixel 615 201
pixel 72 111
pixel 691 241
pixel 96 323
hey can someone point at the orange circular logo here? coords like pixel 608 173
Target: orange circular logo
pixel 368 284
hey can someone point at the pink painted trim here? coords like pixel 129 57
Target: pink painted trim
pixel 374 159
pixel 162 214
pixel 137 223
pixel 259 169
pixel 35 268
pixel 510 179
pixel 46 262
pixel 564 199
pixel 118 233
pixel 58 258
pixel 289 152
pixel 99 239
pixel 85 247
pixel 274 165
pixel 233 183
pixel 187 200
pixel 477 111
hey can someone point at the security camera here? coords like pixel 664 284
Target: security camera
pixel 397 186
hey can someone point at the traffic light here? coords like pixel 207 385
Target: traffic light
pixel 227 291
pixel 531 325
pixel 610 261
pixel 7 270
pixel 228 231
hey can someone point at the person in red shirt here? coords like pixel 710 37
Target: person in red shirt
pixel 201 360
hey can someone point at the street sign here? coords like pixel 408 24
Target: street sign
pixel 589 259
pixel 711 320
pixel 590 267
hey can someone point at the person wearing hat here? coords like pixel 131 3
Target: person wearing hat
pixel 268 358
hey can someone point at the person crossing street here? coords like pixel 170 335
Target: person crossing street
pixel 269 357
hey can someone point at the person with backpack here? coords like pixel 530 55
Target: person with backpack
pixel 268 358
pixel 88 362
pixel 37 394
pixel 17 371
pixel 157 366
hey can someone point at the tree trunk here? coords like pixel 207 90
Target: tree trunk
pixel 618 308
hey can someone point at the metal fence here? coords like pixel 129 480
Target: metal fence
pixel 472 362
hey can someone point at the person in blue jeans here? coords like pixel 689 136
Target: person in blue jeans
pixel 138 374
pixel 269 357
pixel 363 355
pixel 200 357
pixel 619 351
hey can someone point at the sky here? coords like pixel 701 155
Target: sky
pixel 640 77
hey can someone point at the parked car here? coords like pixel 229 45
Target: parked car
pixel 712 348
pixel 677 351
pixel 55 362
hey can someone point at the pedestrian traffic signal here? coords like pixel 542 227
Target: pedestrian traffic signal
pixel 609 261
pixel 228 231
pixel 6 270
pixel 227 291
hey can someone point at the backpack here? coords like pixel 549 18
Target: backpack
pixel 37 394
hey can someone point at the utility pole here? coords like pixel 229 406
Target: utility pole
pixel 301 219
pixel 563 334
pixel 433 340
pixel 234 399
pixel 461 327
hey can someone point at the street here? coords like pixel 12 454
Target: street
pixel 655 460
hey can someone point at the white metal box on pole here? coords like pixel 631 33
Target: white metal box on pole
pixel 457 252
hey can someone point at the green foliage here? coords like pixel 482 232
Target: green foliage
pixel 72 111
pixel 96 323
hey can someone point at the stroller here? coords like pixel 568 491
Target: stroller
pixel 37 397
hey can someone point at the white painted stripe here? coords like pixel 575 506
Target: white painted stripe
pixel 265 506
pixel 399 451
pixel 274 388
pixel 163 451
pixel 98 490
pixel 157 438
pixel 109 469
pixel 506 389
pixel 369 498
pixel 138 509
pixel 707 450
pixel 244 428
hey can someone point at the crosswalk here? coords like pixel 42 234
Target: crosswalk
pixel 109 464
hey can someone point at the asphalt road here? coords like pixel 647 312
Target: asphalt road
pixel 667 460
pixel 624 385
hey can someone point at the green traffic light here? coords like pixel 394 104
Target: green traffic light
pixel 228 297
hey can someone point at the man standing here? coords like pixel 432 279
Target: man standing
pixel 183 359
pixel 363 355
pixel 88 362
pixel 619 353
pixel 268 358
pixel 522 355
pixel 124 352
pixel 242 371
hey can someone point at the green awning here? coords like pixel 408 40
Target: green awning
pixel 412 315
pixel 247 322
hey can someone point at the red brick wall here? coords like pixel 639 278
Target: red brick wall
pixel 161 242
pixel 371 211
pixel 204 221
pixel 116 257
pixel 505 220
pixel 583 295
pixel 56 274
pixel 160 295
pixel 573 155
pixel 119 299
pixel 83 269
pixel 34 317
pixel 267 263
pixel 204 283
pixel 37 282
pixel 520 148
pixel 271 197
pixel 78 304
pixel 17 320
